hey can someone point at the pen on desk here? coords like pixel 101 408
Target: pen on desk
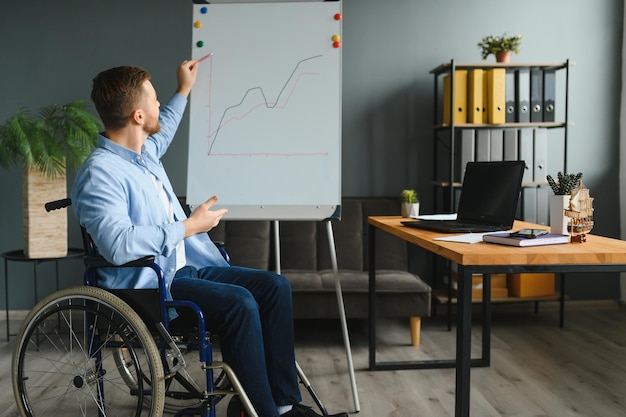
pixel 205 57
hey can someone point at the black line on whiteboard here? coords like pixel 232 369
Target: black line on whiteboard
pixel 267 104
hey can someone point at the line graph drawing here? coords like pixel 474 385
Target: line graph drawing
pixel 265 103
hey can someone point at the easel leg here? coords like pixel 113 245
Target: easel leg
pixel 342 312
pixel 342 315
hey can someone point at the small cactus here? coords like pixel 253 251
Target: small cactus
pixel 566 183
pixel 409 197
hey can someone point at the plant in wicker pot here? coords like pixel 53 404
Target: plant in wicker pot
pixel 45 145
pixel 562 188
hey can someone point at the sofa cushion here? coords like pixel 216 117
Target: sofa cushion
pixel 247 242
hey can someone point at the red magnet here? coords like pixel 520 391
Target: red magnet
pixel 337 16
pixel 336 44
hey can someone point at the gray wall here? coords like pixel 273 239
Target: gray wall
pixel 49 52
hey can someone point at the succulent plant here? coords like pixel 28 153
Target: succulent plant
pixel 409 197
pixel 565 183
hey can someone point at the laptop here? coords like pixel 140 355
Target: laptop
pixel 488 200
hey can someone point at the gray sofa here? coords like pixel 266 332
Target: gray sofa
pixel 305 262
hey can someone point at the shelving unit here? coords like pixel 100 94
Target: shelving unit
pixel 451 128
pixel 446 180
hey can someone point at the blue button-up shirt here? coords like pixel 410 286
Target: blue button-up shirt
pixel 115 199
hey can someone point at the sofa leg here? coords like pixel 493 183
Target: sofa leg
pixel 416 323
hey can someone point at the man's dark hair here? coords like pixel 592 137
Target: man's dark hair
pixel 116 93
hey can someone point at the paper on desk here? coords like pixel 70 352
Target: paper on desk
pixel 446 216
pixel 466 238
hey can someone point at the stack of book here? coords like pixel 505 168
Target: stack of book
pixel 506 239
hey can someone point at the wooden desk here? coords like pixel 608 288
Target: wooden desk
pixel 598 254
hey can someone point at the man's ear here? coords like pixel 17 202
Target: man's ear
pixel 138 117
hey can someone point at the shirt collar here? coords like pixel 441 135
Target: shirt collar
pixel 109 145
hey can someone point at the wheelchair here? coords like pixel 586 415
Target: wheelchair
pixel 89 351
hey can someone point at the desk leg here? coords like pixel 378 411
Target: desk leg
pixel 486 340
pixel 562 301
pixel 372 296
pixel 463 342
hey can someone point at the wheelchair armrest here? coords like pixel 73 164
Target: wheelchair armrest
pixel 97 261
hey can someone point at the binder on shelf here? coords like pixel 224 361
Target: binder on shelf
pixel 526 153
pixel 485 96
pixel 509 142
pixel 549 95
pixel 496 149
pixel 475 96
pixel 536 95
pixel 483 151
pixel 529 204
pixel 510 101
pixel 522 95
pixel 496 78
pixel 468 150
pixel 543 204
pixel 540 150
pixel 460 97
pixel 540 172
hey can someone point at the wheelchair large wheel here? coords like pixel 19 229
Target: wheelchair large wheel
pixel 66 358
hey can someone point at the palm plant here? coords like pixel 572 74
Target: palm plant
pixel 60 136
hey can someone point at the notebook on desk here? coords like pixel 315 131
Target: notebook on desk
pixel 488 199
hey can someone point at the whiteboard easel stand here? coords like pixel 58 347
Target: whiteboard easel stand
pixel 342 311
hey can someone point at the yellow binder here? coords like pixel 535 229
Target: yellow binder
pixel 496 98
pixel 460 97
pixel 475 96
pixel 485 96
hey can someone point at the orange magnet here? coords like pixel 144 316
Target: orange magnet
pixel 197 24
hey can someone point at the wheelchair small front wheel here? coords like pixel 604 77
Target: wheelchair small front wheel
pixel 64 363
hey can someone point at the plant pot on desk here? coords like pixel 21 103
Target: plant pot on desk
pixel 558 220
pixel 410 209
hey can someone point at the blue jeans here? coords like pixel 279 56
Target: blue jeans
pixel 252 313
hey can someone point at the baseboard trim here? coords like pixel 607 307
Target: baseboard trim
pixel 14 314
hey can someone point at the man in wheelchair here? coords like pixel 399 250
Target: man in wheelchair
pixel 123 198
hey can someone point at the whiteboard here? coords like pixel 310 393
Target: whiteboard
pixel 265 112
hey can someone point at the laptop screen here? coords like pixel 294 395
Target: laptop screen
pixel 491 192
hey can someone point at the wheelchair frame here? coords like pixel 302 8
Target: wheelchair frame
pixel 110 353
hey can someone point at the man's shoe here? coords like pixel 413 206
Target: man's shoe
pixel 300 410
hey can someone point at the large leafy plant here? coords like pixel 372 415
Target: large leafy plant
pixel 58 137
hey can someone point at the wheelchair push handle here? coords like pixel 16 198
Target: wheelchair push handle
pixel 58 204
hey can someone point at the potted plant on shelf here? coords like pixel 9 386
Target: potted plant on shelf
pixel 562 188
pixel 500 46
pixel 410 203
pixel 59 136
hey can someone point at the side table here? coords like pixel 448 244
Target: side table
pixel 19 256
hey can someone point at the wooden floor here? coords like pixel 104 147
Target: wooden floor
pixel 537 369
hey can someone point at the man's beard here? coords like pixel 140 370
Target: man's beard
pixel 152 129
